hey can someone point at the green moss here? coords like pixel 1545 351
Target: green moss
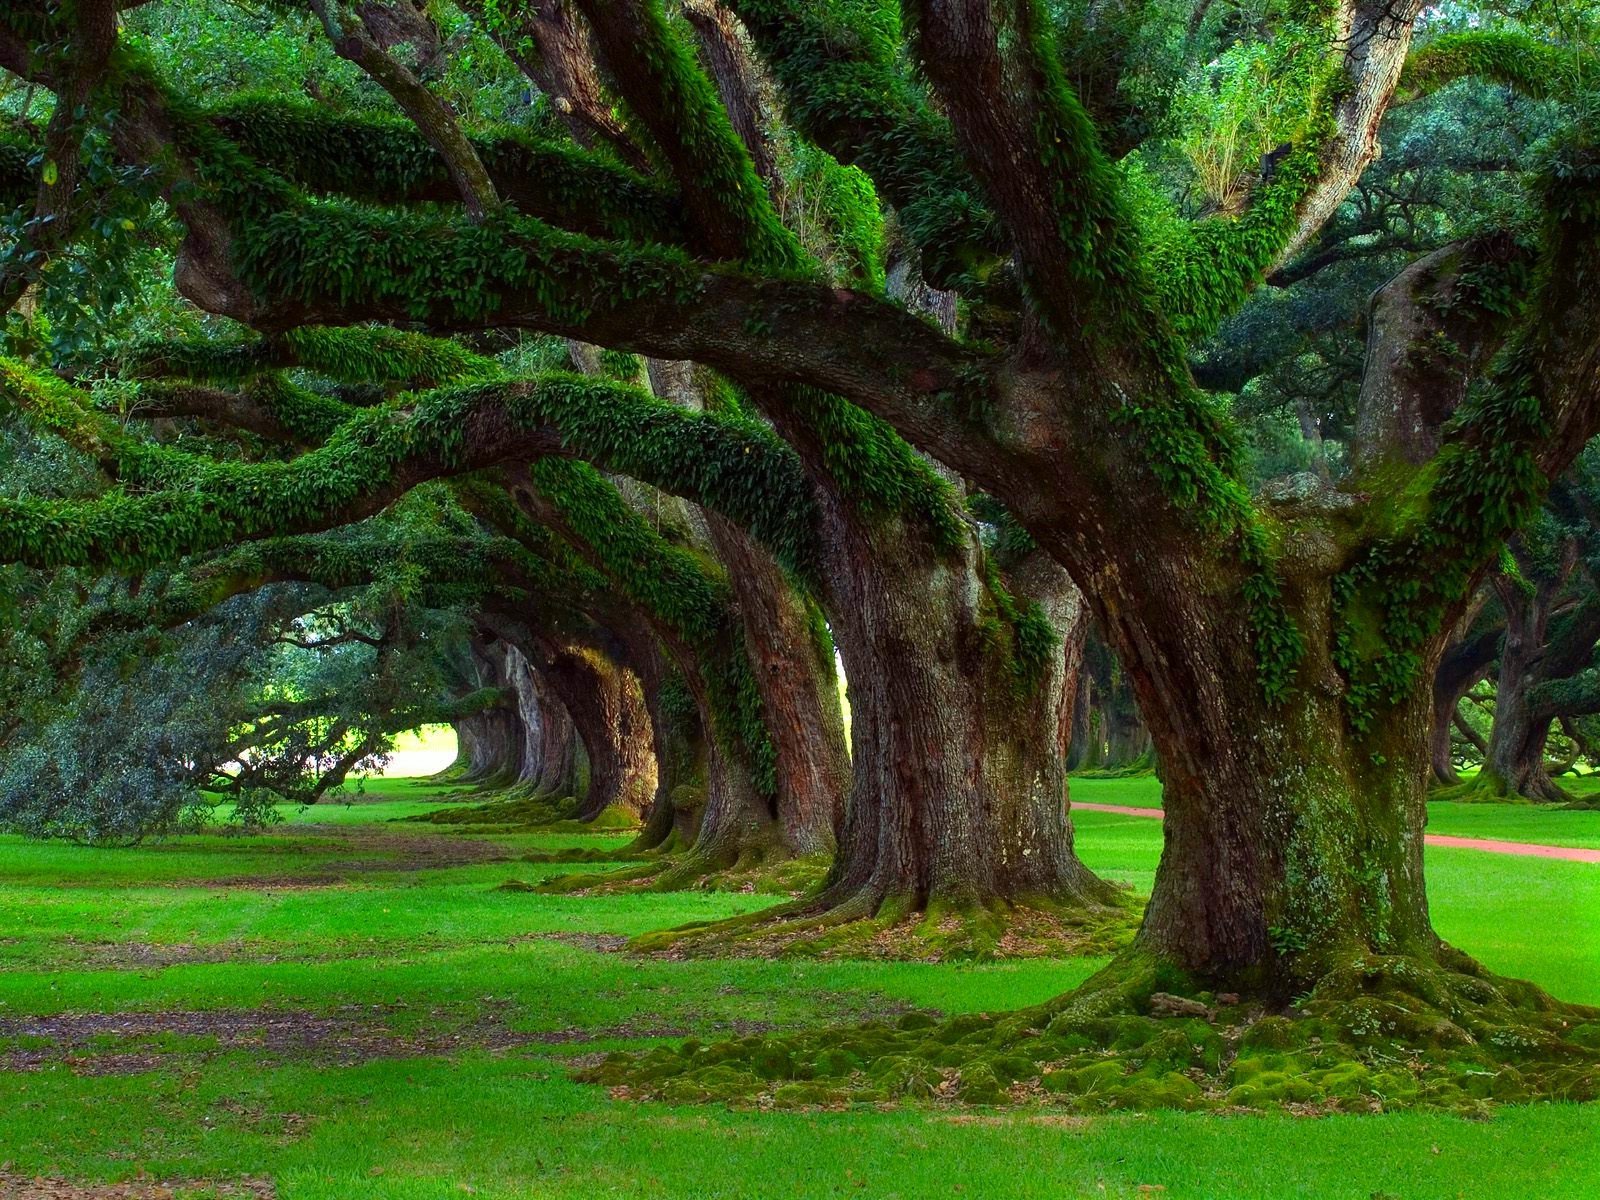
pixel 1485 482
pixel 1371 1035
pixel 840 69
pixel 387 160
pixel 1534 67
pixel 1022 630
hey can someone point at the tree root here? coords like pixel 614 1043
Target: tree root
pixel 1377 1033
pixel 1487 790
pixel 862 927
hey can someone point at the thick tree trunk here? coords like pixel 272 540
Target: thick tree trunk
pixel 1514 765
pixel 607 709
pixel 792 658
pixel 1291 842
pixel 490 745
pixel 1466 660
pixel 958 797
pixel 552 764
pixel 737 826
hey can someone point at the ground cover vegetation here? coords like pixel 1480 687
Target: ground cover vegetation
pixel 366 975
pixel 609 378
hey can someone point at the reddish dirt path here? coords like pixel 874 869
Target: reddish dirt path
pixel 1528 849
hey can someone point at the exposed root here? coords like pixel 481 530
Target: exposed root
pixel 1381 1032
pixel 1485 789
pixel 864 928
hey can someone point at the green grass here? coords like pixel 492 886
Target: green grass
pixel 1505 822
pixel 323 916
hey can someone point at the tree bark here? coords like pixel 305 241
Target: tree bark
pixel 607 709
pixel 792 657
pixel 491 744
pixel 1288 851
pixel 1514 765
pixel 551 764
pixel 958 795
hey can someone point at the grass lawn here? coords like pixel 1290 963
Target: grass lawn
pixel 1506 822
pixel 349 1008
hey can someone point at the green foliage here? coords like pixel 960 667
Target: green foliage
pixel 732 464
pixel 1531 65
pixel 877 469
pixel 1023 627
pixel 1004 534
pixel 841 202
pixel 674 98
pixel 844 86
pixel 384 160
pixel 1194 452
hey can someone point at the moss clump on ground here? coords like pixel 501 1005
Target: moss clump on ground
pixel 753 875
pixel 516 811
pixel 942 933
pixel 1382 1032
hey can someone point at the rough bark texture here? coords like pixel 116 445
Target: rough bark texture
pixel 792 660
pixel 1287 852
pixel 562 66
pixel 551 762
pixel 1411 384
pixel 959 790
pixel 1514 765
pixel 608 711
pixel 490 744
pixel 795 674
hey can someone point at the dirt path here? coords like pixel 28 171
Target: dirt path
pixel 1526 849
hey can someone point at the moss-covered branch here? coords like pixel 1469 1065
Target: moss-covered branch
pixel 670 96
pixel 843 86
pixel 684 595
pixel 193 503
pixel 375 355
pixel 1532 66
pixel 388 162
pixel 1536 408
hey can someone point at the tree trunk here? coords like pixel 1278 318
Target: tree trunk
pixel 791 655
pixel 1470 653
pixel 551 761
pixel 1081 748
pixel 1292 849
pixel 1514 765
pixel 737 826
pixel 607 709
pixel 491 744
pixel 958 795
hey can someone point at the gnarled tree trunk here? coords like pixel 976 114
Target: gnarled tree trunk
pixel 607 709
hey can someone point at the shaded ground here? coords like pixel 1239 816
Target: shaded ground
pixel 128 1043
pixel 38 1187
pixel 375 848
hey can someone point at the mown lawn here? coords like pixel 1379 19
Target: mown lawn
pixel 312 1007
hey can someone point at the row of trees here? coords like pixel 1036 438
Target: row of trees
pixel 678 352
